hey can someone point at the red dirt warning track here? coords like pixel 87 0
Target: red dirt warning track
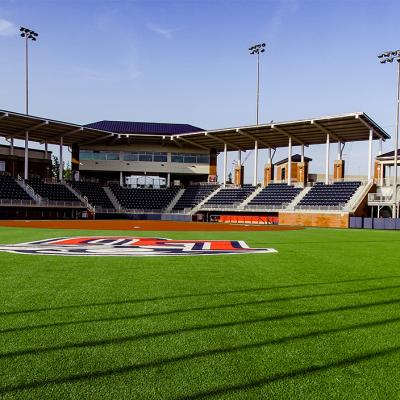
pixel 132 225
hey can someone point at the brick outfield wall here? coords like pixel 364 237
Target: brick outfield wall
pixel 321 220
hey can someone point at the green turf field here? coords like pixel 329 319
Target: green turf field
pixel 318 320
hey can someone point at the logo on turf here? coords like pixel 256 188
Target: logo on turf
pixel 130 246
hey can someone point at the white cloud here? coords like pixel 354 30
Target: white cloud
pixel 165 33
pixel 7 28
pixel 285 9
pixel 124 73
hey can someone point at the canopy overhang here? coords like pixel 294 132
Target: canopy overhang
pixel 15 125
pixel 341 128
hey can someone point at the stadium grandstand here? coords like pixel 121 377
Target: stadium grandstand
pixel 125 169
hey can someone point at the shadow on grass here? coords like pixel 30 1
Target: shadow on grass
pixel 226 350
pixel 190 295
pixel 297 373
pixel 190 329
pixel 192 309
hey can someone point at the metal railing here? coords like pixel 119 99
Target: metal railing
pixel 339 207
pixel 266 207
pixel 388 181
pixel 142 211
pixel 17 202
pixel 59 203
pixel 99 209
pixel 379 198
pixel 342 180
pixel 221 206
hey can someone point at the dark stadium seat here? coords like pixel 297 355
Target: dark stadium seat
pixel 95 194
pixel 334 195
pixel 10 190
pixel 230 196
pixel 52 191
pixel 144 199
pixel 193 195
pixel 275 194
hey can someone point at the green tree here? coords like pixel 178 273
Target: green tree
pixel 67 172
pixel 55 168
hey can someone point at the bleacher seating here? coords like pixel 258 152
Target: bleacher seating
pixel 95 194
pixel 144 199
pixel 10 190
pixel 230 196
pixel 193 195
pixel 333 195
pixel 275 194
pixel 52 191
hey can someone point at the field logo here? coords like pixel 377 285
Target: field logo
pixel 130 246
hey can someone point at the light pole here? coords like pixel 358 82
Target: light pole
pixel 32 35
pixel 389 57
pixel 257 49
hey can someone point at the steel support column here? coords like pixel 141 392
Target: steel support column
pixel 225 163
pixel 327 159
pixel 289 170
pixel 371 132
pixel 61 168
pixel 26 155
pixel 255 177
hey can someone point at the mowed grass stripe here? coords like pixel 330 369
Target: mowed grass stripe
pixel 223 293
pixel 196 309
pixel 208 353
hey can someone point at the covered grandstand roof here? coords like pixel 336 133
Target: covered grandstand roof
pixel 389 155
pixel 344 128
pixel 14 125
pixel 144 128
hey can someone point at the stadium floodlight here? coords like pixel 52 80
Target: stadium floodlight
pixel 27 34
pixel 390 56
pixel 258 49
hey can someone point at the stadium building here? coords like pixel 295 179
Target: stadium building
pixel 150 170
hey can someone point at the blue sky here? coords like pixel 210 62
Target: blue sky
pixel 187 61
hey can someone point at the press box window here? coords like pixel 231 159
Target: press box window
pixel 160 157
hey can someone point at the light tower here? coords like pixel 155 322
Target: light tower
pixel 27 34
pixel 257 49
pixel 389 57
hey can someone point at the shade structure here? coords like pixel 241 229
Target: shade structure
pixel 341 128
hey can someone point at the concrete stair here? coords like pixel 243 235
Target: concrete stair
pixel 298 198
pixel 79 195
pixel 113 199
pixel 198 207
pixel 358 197
pixel 251 197
pixel 174 201
pixel 29 190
